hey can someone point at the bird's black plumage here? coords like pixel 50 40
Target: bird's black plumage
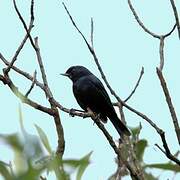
pixel 90 93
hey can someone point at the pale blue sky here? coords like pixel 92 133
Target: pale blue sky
pixel 122 47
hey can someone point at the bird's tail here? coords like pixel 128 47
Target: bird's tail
pixel 120 127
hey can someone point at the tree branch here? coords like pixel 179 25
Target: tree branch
pixel 6 80
pixel 24 40
pixel 32 85
pixel 137 84
pixel 23 22
pixel 144 27
pixel 169 102
pixel 176 16
pixel 161 53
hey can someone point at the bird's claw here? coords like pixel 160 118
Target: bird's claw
pixel 97 116
pixel 71 112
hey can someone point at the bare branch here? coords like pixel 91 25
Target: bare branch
pixel 6 80
pixel 23 22
pixel 23 41
pixel 74 24
pixel 23 73
pixel 60 132
pixel 176 16
pixel 160 148
pixel 47 89
pixel 32 85
pixel 161 53
pixel 169 102
pixel 92 33
pixel 144 27
pixel 137 84
pixel 167 152
pixel 140 22
pixel 169 33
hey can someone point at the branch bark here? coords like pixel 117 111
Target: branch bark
pixel 169 102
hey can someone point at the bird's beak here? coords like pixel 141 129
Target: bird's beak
pixel 65 74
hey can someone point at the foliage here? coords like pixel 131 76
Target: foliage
pixel 30 160
pixel 140 146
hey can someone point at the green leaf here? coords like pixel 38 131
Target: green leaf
pixel 4 171
pixel 13 141
pixel 140 148
pixel 43 138
pixel 21 120
pixel 84 163
pixel 136 131
pixel 164 166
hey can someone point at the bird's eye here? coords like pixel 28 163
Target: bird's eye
pixel 72 71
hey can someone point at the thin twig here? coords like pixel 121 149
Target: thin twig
pixel 140 22
pixel 144 27
pixel 168 154
pixel 161 53
pixel 169 102
pixel 137 84
pixel 170 32
pixel 23 41
pixel 176 16
pixel 92 33
pixel 23 73
pixel 23 22
pixel 160 148
pixel 32 85
pixel 43 74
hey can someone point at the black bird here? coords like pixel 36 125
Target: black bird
pixel 90 93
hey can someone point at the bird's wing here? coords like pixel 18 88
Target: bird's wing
pixel 90 92
pixel 100 88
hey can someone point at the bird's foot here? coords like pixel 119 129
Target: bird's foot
pixel 96 117
pixel 71 112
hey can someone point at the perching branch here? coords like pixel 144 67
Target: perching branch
pixel 29 77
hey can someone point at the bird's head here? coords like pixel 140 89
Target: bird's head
pixel 76 72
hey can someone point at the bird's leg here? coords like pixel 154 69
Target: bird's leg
pixel 93 114
pixel 90 112
pixel 72 110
